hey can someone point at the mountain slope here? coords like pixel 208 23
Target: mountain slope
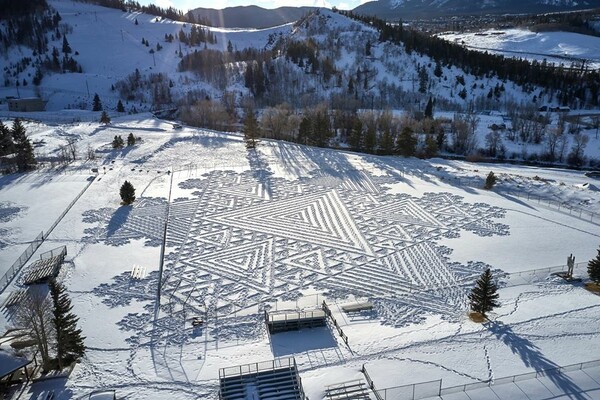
pixel 408 9
pixel 250 16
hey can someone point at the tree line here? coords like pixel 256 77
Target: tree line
pixel 574 86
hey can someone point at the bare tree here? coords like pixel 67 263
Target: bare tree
pixel 91 153
pixel 73 150
pixel 279 122
pixel 35 315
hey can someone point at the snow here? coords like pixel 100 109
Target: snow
pixel 286 227
pixel 555 47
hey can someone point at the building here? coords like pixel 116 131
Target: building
pixel 27 104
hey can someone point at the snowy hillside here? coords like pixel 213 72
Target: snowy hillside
pixel 284 227
pixel 393 75
pixel 554 47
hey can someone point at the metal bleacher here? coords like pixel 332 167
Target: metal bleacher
pixel 46 268
pixel 282 321
pixel 268 380
pixel 355 390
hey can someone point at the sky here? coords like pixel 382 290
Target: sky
pixel 186 5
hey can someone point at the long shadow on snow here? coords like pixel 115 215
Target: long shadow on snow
pixel 117 220
pixel 532 357
pixel 334 164
pixel 260 170
pixel 516 200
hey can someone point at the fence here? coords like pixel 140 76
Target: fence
pixel 370 382
pixel 540 274
pixel 416 391
pixel 59 251
pixel 520 377
pixel 22 260
pixel 340 331
pixel 559 206
pixel 562 207
pixel 71 204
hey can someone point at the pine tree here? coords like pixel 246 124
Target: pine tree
pixel 484 296
pixel 127 193
pixel 594 269
pixel 118 142
pixel 250 129
pixel 25 158
pixel 130 139
pixel 97 104
pixel 66 48
pixel 120 107
pixel 490 181
pixel 429 109
pixel 7 145
pixel 387 142
pixel 104 118
pixel 406 144
pixel 356 135
pixel 69 341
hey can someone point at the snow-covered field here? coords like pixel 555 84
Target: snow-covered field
pixel 285 227
pixel 554 47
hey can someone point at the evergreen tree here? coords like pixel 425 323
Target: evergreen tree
pixel 97 104
pixel 7 145
pixel 127 193
pixel 120 107
pixel 484 296
pixel 387 142
pixel 370 139
pixel 406 144
pixel 130 139
pixel 66 48
pixel 429 109
pixel 438 69
pixel 69 341
pixel 25 159
pixel 229 47
pixel 118 142
pixel 490 181
pixel 431 146
pixel 104 118
pixel 250 129
pixel 594 269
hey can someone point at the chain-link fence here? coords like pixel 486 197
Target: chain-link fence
pixel 22 260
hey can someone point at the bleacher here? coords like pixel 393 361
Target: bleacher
pixel 355 390
pixel 281 321
pixel 268 380
pixel 45 268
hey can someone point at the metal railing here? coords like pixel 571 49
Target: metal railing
pixel 247 369
pixel 520 377
pixel 335 323
pixel 370 382
pixel 22 260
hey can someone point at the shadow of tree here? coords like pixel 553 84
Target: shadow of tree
pixel 118 219
pixel 532 357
